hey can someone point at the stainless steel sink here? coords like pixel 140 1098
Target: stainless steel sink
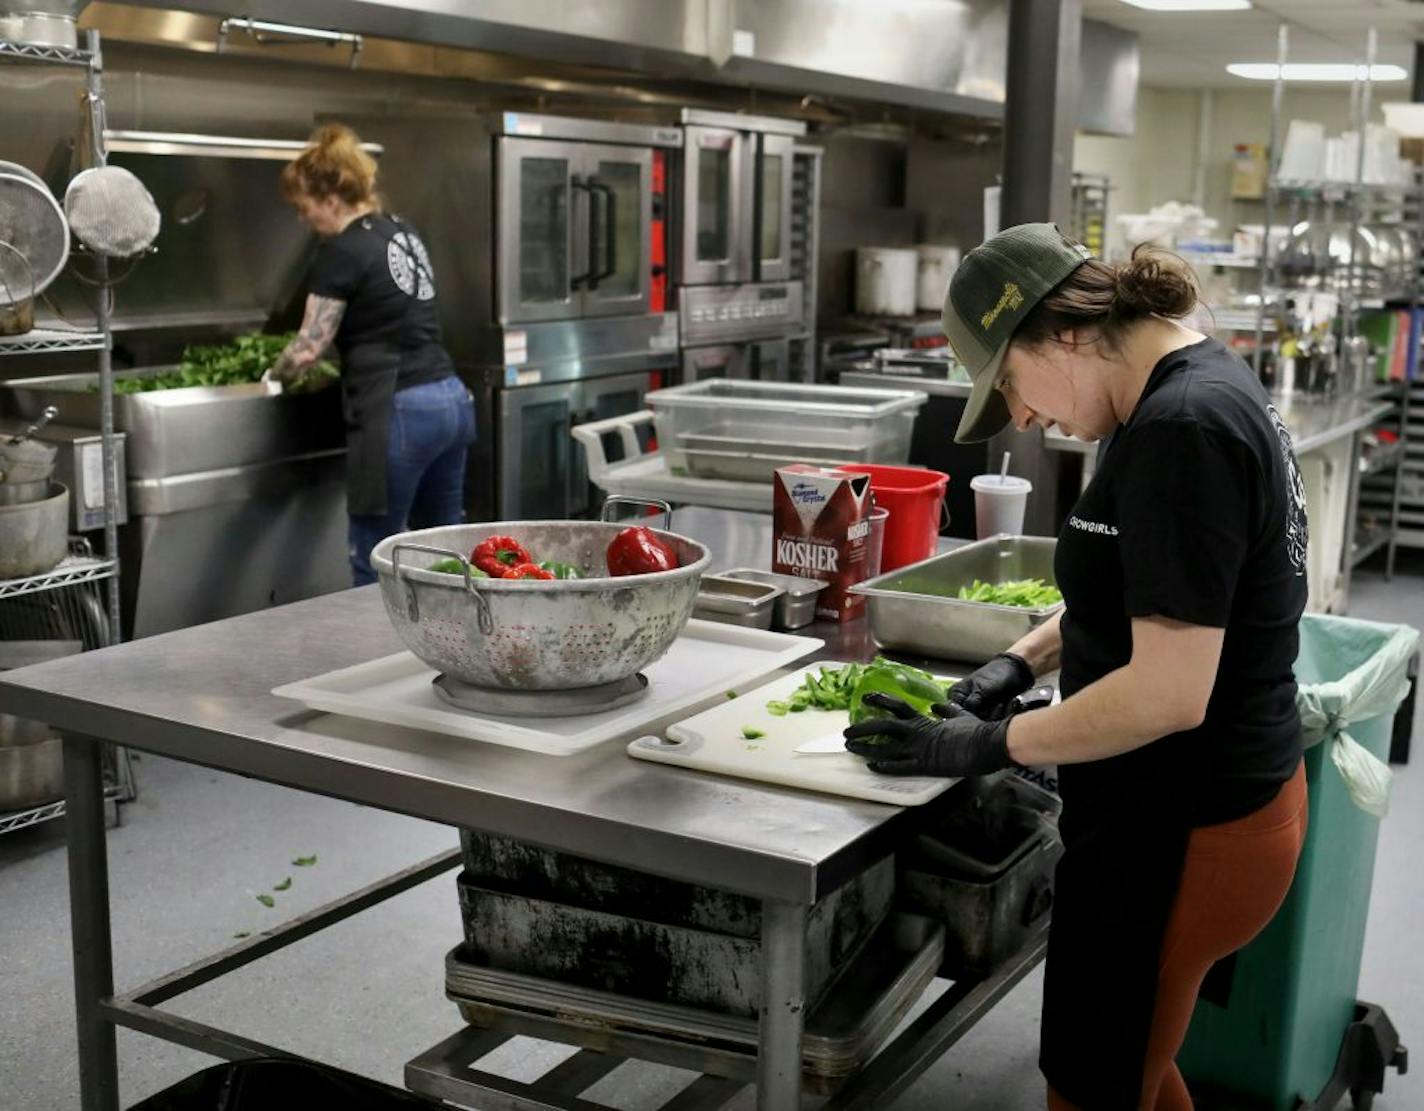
pixel 198 428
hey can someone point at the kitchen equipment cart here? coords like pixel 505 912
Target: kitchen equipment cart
pixel 68 593
pixel 179 695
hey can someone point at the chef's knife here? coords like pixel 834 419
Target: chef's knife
pixel 824 746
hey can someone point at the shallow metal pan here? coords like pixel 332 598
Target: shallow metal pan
pixel 915 608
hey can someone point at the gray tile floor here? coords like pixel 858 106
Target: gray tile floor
pixel 199 845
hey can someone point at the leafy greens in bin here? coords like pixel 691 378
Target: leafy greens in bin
pixel 243 360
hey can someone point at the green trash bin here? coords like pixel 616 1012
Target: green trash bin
pixel 1292 994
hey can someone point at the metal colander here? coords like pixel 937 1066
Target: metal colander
pixel 529 634
pixel 111 212
pixel 32 223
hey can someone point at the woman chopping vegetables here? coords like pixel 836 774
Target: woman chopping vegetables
pixel 409 420
pixel 1182 568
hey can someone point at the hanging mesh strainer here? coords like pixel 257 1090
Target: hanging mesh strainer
pixel 31 222
pixel 111 212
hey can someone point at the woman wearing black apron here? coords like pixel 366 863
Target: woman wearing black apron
pixel 409 420
pixel 1182 568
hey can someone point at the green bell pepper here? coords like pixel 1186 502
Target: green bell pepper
pixel 561 570
pixel 917 688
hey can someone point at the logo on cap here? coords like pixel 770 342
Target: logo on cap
pixel 1011 298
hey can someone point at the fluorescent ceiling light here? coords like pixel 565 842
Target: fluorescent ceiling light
pixel 1190 5
pixel 1316 71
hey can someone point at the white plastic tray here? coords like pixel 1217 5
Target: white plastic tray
pixel 707 660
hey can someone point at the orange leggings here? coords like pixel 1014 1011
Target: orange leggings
pixel 1235 878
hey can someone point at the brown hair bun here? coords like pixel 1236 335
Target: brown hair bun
pixel 333 165
pixel 1110 298
pixel 1154 282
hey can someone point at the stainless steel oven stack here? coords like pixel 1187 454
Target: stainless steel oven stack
pixel 747 243
pixel 579 325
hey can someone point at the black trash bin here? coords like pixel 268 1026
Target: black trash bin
pixel 267 1084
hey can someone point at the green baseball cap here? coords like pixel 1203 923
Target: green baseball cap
pixel 995 286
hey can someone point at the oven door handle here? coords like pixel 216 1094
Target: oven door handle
pixel 576 185
pixel 609 226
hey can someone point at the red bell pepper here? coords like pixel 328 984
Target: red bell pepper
pixel 529 571
pixel 498 555
pixel 639 551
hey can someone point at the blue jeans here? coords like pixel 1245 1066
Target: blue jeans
pixel 432 428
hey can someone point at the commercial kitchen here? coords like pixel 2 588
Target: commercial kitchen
pixel 892 535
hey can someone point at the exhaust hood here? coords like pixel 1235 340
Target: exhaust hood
pixel 944 56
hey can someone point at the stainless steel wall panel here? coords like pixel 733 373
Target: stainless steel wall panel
pixel 1107 95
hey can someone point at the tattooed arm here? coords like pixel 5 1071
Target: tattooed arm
pixel 318 330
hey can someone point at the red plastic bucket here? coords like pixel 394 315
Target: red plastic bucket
pixel 915 498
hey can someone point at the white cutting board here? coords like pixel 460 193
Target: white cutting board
pixel 705 661
pixel 712 741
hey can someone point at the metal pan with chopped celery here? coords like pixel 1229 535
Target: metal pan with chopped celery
pixel 966 604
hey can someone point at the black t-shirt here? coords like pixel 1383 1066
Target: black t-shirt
pixel 381 269
pixel 1196 513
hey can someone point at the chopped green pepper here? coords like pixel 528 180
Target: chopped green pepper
pixel 1028 593
pixel 752 733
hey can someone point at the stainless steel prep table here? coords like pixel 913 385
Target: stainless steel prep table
pixel 202 695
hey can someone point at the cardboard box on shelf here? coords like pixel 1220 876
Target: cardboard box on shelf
pixel 1248 171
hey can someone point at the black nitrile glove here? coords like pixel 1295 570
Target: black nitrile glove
pixel 954 743
pixel 987 692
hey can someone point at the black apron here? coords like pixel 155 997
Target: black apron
pixel 1125 826
pixel 369 372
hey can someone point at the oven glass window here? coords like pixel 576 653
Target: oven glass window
pixel 543 428
pixel 543 230
pixel 625 179
pixel 714 199
pixel 773 166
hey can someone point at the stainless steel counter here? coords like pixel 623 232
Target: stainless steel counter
pixel 1316 422
pixel 1313 422
pixel 202 695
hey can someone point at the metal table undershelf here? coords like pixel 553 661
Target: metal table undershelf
pixel 449 1070
pixel 203 695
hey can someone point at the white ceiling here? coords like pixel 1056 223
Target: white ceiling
pixel 1192 49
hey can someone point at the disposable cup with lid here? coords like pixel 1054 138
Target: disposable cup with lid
pixel 875 549
pixel 1000 502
